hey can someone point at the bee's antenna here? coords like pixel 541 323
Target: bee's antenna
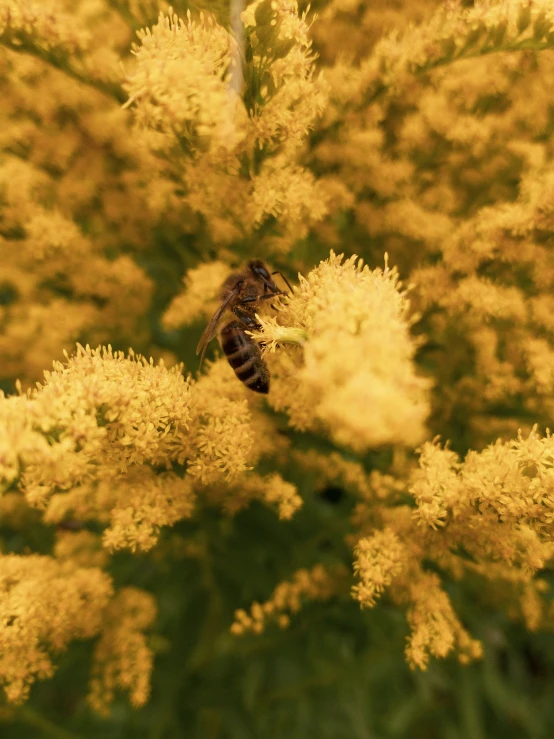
pixel 284 278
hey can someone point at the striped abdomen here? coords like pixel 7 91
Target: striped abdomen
pixel 245 357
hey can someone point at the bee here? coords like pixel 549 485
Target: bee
pixel 240 294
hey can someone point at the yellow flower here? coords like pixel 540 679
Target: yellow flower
pixel 84 444
pixel 436 630
pixel 318 583
pixel 355 376
pixel 179 83
pixel 200 297
pixel 47 21
pixel 44 604
pixel 122 658
pixel 233 148
pixel 379 558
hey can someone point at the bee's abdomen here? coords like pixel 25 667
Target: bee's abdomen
pixel 245 357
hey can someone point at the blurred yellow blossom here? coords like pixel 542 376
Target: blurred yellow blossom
pixel 82 548
pixel 178 85
pixel 436 629
pixel 272 489
pixel 232 151
pixel 49 21
pixel 122 658
pixel 318 583
pixel 45 604
pixel 50 265
pixel 200 297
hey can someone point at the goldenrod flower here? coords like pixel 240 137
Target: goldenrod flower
pixel 436 629
pixel 44 605
pixel 202 146
pixel 355 375
pixel 208 133
pixel 179 83
pixel 379 558
pixel 122 658
pixel 200 297
pixel 318 583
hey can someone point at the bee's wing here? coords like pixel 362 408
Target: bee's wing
pixel 211 329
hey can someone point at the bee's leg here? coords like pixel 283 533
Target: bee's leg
pixel 246 318
pixel 271 295
pixel 258 298
pixel 269 291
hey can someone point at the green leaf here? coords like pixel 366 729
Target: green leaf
pixel 524 18
pixel 448 46
pixel 267 37
pixel 541 27
pixel 473 39
pixel 264 14
pixel 283 47
pixel 500 33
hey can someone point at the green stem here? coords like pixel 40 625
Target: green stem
pixel 211 629
pixel 125 14
pixel 32 718
pixel 111 89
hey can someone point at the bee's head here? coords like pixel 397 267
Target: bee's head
pixel 258 268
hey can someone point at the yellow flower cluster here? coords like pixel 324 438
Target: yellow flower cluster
pixel 82 548
pixel 490 515
pixel 228 435
pixel 440 134
pixel 178 85
pixel 453 32
pixel 508 334
pixel 432 142
pixel 507 483
pixel 271 489
pixel 287 598
pixel 77 444
pixel 200 296
pixel 64 36
pixel 436 630
pixel 79 194
pixel 355 376
pixel 379 558
pixel 44 605
pixel 108 438
pixel 131 445
pixel 290 99
pixel 47 20
pixel 122 658
pixel 232 150
pixel 391 561
pixel 53 258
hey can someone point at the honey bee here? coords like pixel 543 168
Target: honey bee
pixel 240 294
